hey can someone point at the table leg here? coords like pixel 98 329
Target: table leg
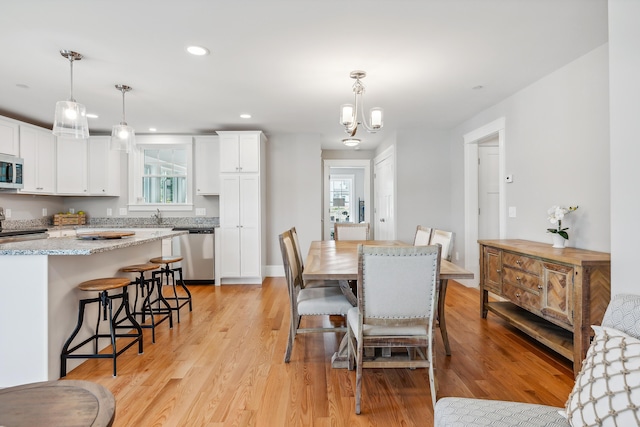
pixel 340 359
pixel 441 318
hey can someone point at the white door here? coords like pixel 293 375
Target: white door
pixel 384 184
pixel 488 190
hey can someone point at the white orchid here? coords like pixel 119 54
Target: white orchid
pixel 556 214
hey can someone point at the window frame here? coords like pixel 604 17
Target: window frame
pixel 136 171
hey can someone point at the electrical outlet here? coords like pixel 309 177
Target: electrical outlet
pixel 44 211
pixel 123 211
pixel 109 212
pixel 457 256
pixel 7 213
pixel 72 210
pixel 201 211
pixel 512 211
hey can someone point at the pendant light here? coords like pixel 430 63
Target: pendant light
pixel 71 117
pixel 352 115
pixel 123 137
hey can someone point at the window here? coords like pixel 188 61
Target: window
pixel 341 204
pixel 161 167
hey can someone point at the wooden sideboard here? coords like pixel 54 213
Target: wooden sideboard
pixel 553 295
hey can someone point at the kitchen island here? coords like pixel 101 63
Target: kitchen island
pixel 39 303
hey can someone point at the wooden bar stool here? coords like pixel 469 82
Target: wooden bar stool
pixel 103 286
pixel 151 307
pixel 167 277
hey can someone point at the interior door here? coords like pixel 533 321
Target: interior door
pixel 488 190
pixel 384 185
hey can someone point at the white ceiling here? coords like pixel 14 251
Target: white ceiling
pixel 286 62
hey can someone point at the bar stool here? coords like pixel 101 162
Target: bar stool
pixel 146 287
pixel 103 286
pixel 170 279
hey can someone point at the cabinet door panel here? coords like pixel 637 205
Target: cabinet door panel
pixel 558 284
pixel 207 161
pixel 249 153
pixel 72 166
pixel 229 251
pixel 493 270
pixel 9 140
pixel 229 153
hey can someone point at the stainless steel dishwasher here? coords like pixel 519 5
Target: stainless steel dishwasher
pixel 197 251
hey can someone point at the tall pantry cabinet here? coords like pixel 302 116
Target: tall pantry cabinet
pixel 242 229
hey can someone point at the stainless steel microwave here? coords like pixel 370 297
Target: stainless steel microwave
pixel 10 172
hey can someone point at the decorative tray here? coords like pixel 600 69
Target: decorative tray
pixel 104 235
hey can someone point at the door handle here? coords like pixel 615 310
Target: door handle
pixel 381 219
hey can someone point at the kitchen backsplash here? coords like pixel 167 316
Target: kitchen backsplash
pixel 47 222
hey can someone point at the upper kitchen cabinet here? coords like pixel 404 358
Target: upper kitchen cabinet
pixel 104 167
pixel 240 152
pixel 207 163
pixel 38 149
pixel 9 137
pixel 71 158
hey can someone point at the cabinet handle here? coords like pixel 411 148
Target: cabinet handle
pixel 540 287
pixel 517 295
pixel 498 271
pixel 518 278
pixel 518 262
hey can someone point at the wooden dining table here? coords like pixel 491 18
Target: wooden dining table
pixel 338 260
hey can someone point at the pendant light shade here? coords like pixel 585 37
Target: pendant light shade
pixel 123 136
pixel 352 115
pixel 71 117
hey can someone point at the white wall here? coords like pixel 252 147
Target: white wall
pixel 557 148
pixel 624 69
pixel 294 191
pixel 423 182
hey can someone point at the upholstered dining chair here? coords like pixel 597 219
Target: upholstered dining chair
pixel 397 294
pixel 423 236
pixel 349 231
pixel 300 258
pixel 606 391
pixel 316 301
pixel 445 239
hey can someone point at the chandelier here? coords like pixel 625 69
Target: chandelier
pixel 71 117
pixel 122 135
pixel 349 112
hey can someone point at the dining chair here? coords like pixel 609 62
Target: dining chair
pixel 316 301
pixel 350 231
pixel 445 239
pixel 423 236
pixel 300 258
pixel 397 294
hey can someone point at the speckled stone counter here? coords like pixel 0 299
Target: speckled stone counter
pixel 73 246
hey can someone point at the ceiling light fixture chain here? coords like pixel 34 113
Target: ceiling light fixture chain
pixel 352 115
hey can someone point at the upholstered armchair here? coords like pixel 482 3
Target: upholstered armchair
pixel 607 389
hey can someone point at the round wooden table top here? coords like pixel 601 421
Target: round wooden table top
pixel 57 403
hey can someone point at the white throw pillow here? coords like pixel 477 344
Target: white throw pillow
pixel 607 389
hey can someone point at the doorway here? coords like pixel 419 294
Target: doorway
pixel 384 195
pixel 341 203
pixel 472 142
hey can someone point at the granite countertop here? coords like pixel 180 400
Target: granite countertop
pixel 73 246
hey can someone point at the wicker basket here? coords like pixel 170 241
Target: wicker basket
pixel 69 219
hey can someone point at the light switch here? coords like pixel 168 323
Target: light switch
pixel 123 211
pixel 109 212
pixel 7 213
pixel 201 211
pixel 44 211
pixel 512 211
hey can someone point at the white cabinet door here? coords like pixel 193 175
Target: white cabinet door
pixel 103 167
pixel 240 152
pixel 230 226
pixel 38 149
pixel 71 157
pixel 9 137
pixel 207 162
pixel 250 225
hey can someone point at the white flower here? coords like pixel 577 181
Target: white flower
pixel 556 213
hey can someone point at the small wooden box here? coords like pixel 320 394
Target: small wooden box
pixel 69 219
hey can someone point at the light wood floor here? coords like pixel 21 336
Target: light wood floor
pixel 223 366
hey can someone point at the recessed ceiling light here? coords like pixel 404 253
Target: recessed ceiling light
pixel 198 50
pixel 152 129
pixel 245 116
pixel 92 116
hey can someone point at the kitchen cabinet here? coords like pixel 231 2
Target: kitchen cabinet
pixel 242 209
pixel 553 295
pixel 240 151
pixel 38 149
pixel 207 163
pixel 71 160
pixel 87 167
pixel 9 137
pixel 103 167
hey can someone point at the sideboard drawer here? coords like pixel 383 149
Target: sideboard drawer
pixel 525 299
pixel 521 279
pixel 524 263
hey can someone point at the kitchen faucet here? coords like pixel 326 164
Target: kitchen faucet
pixel 158 217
